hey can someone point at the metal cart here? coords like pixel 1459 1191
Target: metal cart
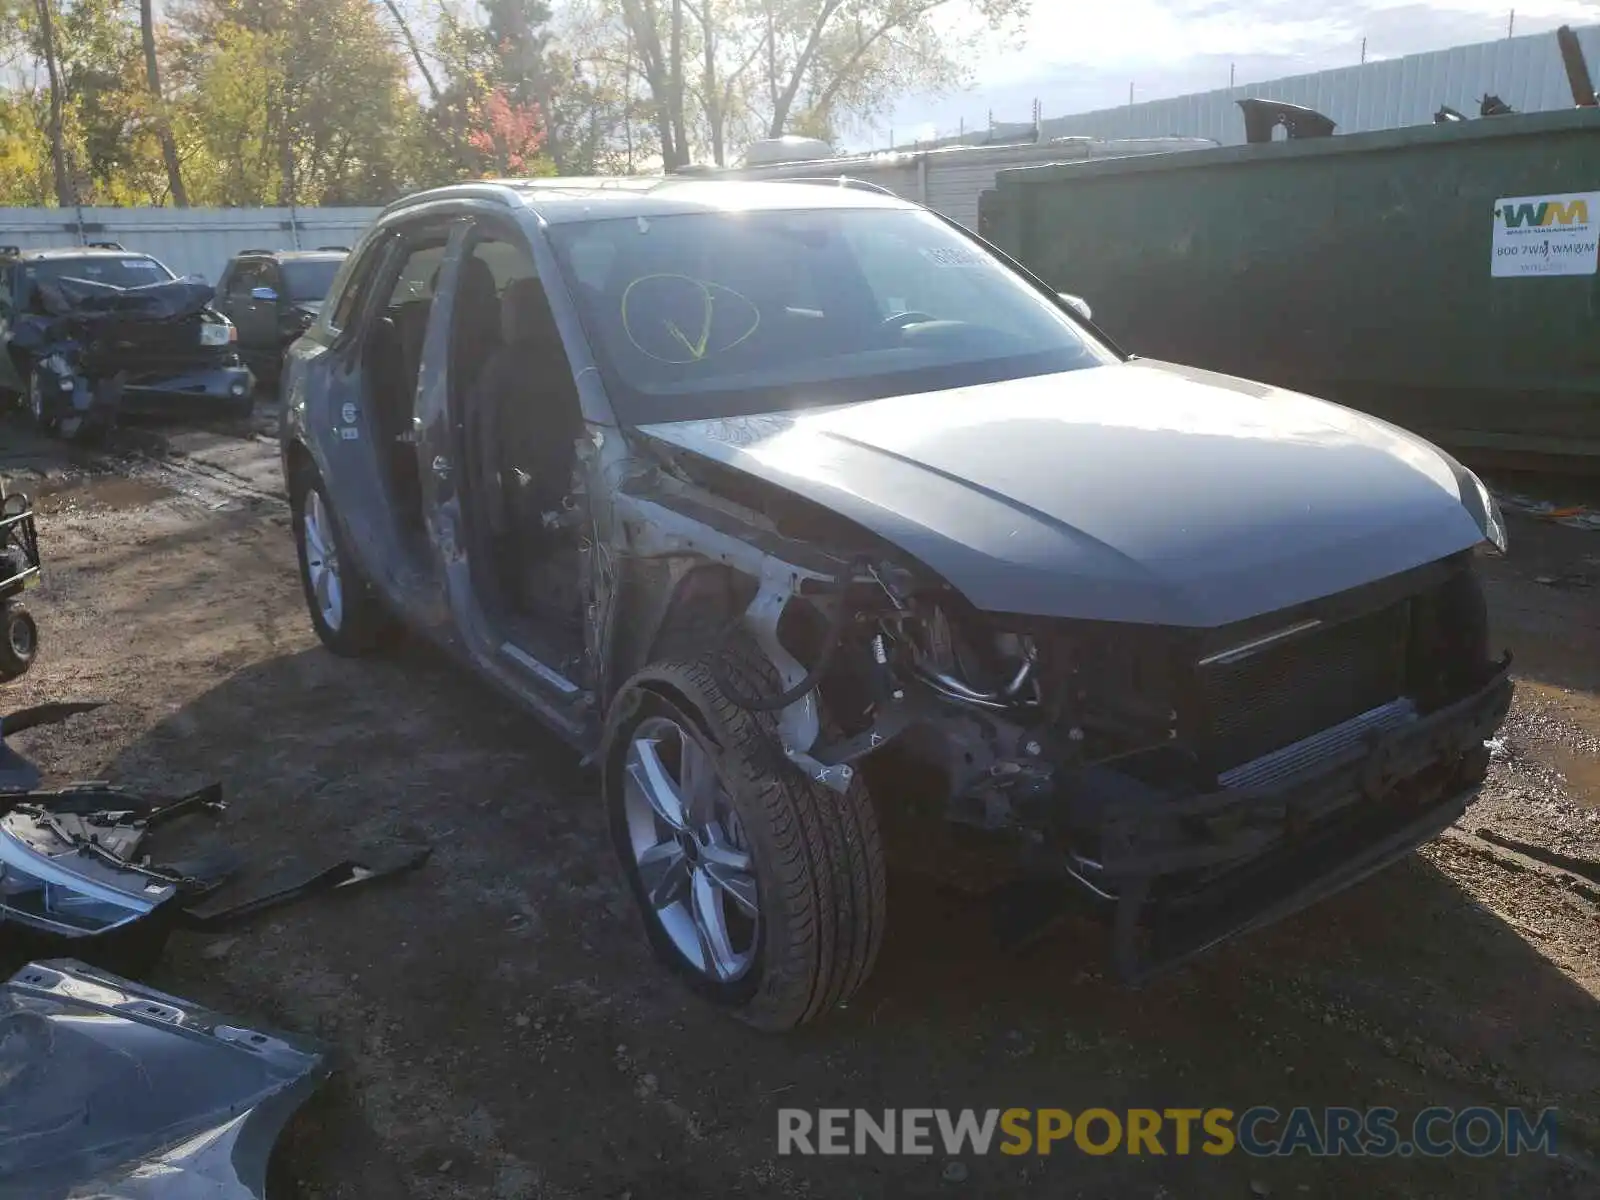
pixel 19 571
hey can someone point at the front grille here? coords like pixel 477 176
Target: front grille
pixel 1290 689
pixel 156 348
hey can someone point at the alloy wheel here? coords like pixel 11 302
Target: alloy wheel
pixel 322 561
pixel 690 850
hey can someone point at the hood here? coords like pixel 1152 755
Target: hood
pixel 1137 492
pixel 114 1090
pixel 166 300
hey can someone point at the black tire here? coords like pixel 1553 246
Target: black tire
pixel 32 401
pixel 364 625
pixel 19 641
pixel 818 856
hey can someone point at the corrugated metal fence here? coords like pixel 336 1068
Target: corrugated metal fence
pixel 191 241
pixel 1526 72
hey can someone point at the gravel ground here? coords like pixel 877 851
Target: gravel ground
pixel 503 1032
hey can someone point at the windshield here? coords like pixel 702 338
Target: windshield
pixel 722 314
pixel 126 272
pixel 310 279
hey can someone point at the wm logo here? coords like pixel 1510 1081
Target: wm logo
pixel 1546 212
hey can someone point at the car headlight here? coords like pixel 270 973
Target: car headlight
pixel 1485 510
pixel 215 333
pixel 39 890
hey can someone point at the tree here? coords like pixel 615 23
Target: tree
pixel 58 147
pixel 509 136
pixel 152 71
pixel 647 22
pixel 602 115
pixel 295 101
pixel 769 67
pixel 834 57
pixel 492 109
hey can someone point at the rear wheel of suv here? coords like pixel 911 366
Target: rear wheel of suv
pixel 763 890
pixel 349 619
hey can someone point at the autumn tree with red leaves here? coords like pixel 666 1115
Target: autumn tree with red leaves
pixel 509 135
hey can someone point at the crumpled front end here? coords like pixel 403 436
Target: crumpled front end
pixel 1193 784
pixel 117 1091
pixel 100 350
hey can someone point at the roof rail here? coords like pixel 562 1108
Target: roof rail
pixel 340 249
pixel 253 250
pixel 844 181
pixel 497 193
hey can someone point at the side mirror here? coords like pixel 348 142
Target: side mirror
pixel 1077 303
pixel 265 295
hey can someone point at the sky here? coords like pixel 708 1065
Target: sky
pixel 1080 55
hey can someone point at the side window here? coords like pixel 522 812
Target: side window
pixel 417 276
pixel 270 276
pixel 351 285
pixel 507 262
pixel 244 277
pixel 590 255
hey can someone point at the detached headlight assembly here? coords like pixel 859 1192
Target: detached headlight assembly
pixel 87 897
pixel 216 333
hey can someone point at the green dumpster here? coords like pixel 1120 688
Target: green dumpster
pixel 1442 276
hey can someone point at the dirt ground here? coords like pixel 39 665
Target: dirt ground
pixel 504 1033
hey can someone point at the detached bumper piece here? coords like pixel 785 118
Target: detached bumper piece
pixel 1184 873
pixel 186 393
pixel 75 877
pixel 110 1089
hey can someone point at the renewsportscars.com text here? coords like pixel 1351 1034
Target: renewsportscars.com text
pixel 1260 1131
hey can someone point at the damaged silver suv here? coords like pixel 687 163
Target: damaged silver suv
pixel 799 509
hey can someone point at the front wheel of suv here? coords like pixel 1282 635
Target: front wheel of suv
pixel 349 619
pixel 37 412
pixel 763 890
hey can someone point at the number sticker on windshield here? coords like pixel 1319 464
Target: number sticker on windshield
pixel 952 256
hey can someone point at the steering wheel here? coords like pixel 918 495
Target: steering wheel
pixel 900 320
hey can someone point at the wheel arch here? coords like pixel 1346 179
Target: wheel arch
pixel 298 463
pixel 672 608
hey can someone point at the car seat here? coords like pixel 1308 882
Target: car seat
pixel 524 414
pixel 475 324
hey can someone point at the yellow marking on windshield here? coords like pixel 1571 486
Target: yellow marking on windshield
pixel 698 347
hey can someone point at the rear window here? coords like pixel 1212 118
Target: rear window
pixel 309 279
pixel 129 271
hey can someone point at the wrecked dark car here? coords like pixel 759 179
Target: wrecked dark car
pixel 94 334
pixel 800 510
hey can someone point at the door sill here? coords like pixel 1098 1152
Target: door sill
pixel 549 675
